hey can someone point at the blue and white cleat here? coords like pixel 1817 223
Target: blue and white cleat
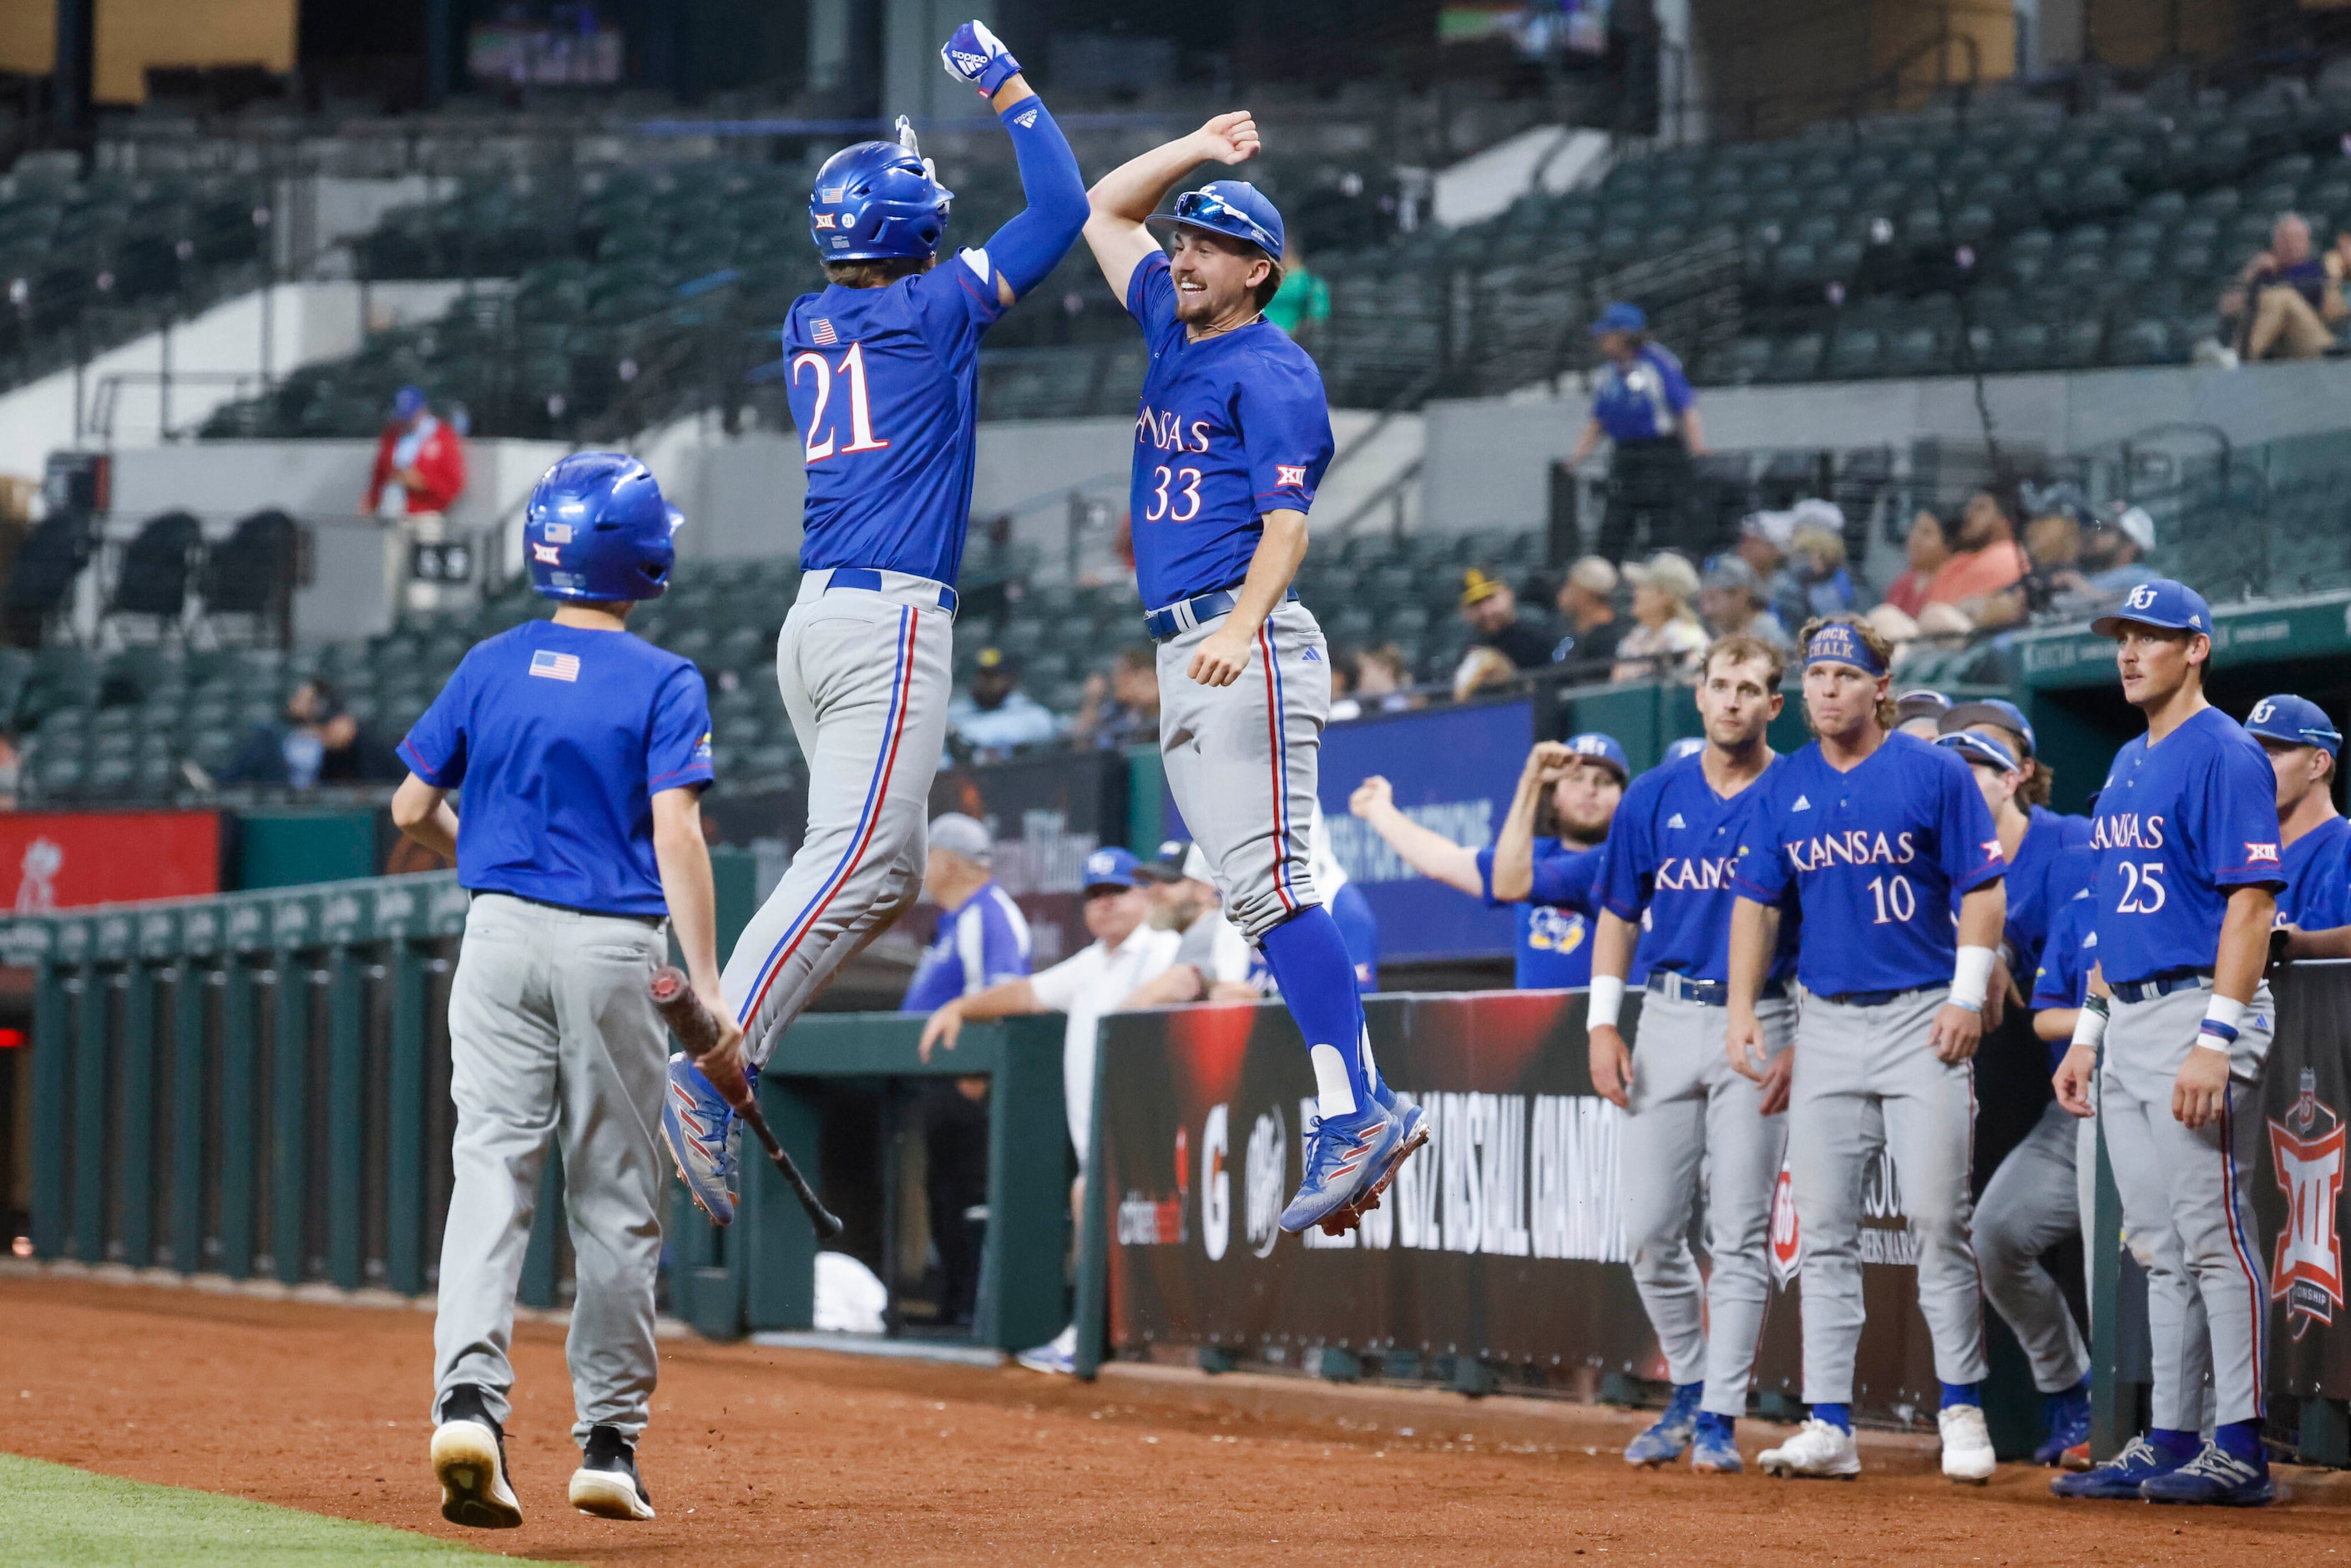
pixel 2214 1479
pixel 1713 1450
pixel 2068 1421
pixel 1346 1155
pixel 699 1127
pixel 1669 1437
pixel 2120 1477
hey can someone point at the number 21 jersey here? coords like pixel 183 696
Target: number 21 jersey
pixel 885 388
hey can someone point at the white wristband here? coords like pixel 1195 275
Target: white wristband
pixel 2090 1026
pixel 1971 978
pixel 2222 1018
pixel 1607 1001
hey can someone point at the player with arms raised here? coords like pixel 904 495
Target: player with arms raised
pixel 1231 438
pixel 2186 834
pixel 884 389
pixel 1877 835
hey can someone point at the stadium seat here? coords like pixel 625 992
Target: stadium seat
pixel 152 576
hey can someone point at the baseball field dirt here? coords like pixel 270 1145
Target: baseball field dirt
pixel 764 1455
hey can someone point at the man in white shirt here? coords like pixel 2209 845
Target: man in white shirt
pixel 1125 954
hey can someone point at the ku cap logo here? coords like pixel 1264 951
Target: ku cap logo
pixel 2141 597
pixel 2263 711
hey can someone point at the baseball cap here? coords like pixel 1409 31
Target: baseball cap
pixel 2159 603
pixel 1730 571
pixel 1667 570
pixel 996 659
pixel 408 402
pixel 1621 317
pixel 2297 721
pixel 1233 208
pixel 1919 703
pixel 1594 574
pixel 1476 587
pixel 2132 522
pixel 1775 529
pixel 1167 865
pixel 1688 746
pixel 1110 867
pixel 1992 710
pixel 1601 747
pixel 1980 749
pixel 964 836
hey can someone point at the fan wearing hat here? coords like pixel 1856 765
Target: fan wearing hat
pixel 1668 638
pixel 2189 872
pixel 1641 404
pixel 1491 608
pixel 1731 603
pixel 992 715
pixel 2303 744
pixel 983 938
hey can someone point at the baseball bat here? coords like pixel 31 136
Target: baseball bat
pixel 697 1031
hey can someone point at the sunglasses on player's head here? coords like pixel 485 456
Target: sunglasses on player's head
pixel 1207 207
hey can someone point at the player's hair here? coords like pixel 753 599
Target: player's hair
pixel 1875 640
pixel 2034 790
pixel 879 273
pixel 1264 292
pixel 1741 649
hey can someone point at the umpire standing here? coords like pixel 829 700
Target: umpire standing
pixel 1643 403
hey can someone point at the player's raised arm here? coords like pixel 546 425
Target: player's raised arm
pixel 1034 241
pixel 1131 193
pixel 1514 846
pixel 1424 850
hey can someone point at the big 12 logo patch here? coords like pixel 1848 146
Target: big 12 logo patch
pixel 2307 1272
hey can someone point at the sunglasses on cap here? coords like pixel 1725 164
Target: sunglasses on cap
pixel 1207 208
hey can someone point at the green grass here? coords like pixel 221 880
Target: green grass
pixel 54 1515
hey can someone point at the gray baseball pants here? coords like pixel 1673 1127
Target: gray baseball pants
pixel 1241 761
pixel 865 675
pixel 2032 1203
pixel 1696 1119
pixel 553 1037
pixel 1852 1062
pixel 2185 1207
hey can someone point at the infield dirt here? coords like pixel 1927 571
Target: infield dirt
pixel 766 1456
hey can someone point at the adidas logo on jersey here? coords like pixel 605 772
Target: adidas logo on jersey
pixel 1802 804
pixel 1675 821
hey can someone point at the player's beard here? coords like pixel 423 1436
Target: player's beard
pixel 1586 830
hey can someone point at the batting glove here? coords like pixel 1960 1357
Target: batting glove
pixel 978 57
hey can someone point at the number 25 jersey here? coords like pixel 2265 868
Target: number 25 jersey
pixel 1877 856
pixel 2178 826
pixel 885 388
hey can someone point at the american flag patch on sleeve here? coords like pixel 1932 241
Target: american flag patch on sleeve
pixel 821 331
pixel 555 666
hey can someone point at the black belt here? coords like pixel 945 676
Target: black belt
pixel 1185 613
pixel 1876 999
pixel 1673 986
pixel 2161 984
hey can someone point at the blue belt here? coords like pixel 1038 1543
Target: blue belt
pixel 866 577
pixel 2161 984
pixel 1876 999
pixel 1186 613
pixel 1671 985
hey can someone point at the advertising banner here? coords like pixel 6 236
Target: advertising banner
pixel 65 860
pixel 1047 813
pixel 1500 1241
pixel 2298 1191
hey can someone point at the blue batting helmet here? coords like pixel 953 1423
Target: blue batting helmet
pixel 597 530
pixel 1233 208
pixel 877 200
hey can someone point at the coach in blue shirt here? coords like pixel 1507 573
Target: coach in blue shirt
pixel 1642 402
pixel 982 936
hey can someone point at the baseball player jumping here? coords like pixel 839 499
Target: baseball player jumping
pixel 2188 869
pixel 582 752
pixel 1876 835
pixel 884 389
pixel 1232 436
pixel 1667 866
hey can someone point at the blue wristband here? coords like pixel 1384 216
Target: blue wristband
pixel 2220 1031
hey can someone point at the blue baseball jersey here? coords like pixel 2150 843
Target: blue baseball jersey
pixel 2037 883
pixel 2062 980
pixel 980 941
pixel 1668 865
pixel 884 389
pixel 560 737
pixel 1645 401
pixel 1553 938
pixel 1874 857
pixel 1230 428
pixel 2317 896
pixel 2179 826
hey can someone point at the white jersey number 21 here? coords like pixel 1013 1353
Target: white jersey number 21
pixel 860 411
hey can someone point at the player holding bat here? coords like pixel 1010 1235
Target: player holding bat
pixel 582 752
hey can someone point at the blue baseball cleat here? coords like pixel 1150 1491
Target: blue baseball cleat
pixel 1713 1450
pixel 2120 1477
pixel 699 1128
pixel 2068 1420
pixel 1665 1440
pixel 2214 1479
pixel 1347 1159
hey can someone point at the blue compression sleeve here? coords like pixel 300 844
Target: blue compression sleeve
pixel 1033 243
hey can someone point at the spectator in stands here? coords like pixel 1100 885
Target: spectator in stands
pixel 1213 959
pixel 982 936
pixel 1928 547
pixel 1130 715
pixel 1343 675
pixel 1383 680
pixel 314 742
pixel 420 462
pixel 994 716
pixel 1641 402
pixel 1667 639
pixel 1491 608
pixel 2288 302
pixel 1588 600
pixel 1816 572
pixel 1303 303
pixel 2113 551
pixel 1730 603
pixel 1988 562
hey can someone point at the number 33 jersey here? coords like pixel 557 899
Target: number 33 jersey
pixel 885 388
pixel 1877 857
pixel 1231 427
pixel 2179 825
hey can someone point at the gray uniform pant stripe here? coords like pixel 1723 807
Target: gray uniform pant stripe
pixel 1858 1068
pixel 1697 1122
pixel 2187 1212
pixel 2031 1204
pixel 552 1037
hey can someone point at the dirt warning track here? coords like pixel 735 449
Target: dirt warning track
pixel 761 1456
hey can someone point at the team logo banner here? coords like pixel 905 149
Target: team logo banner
pixel 2298 1198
